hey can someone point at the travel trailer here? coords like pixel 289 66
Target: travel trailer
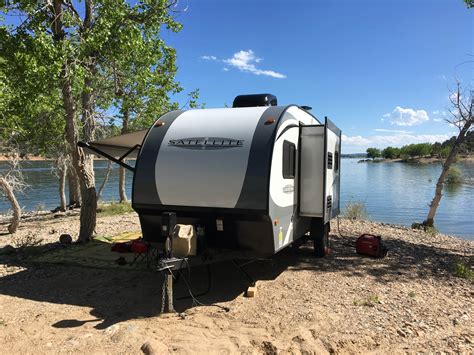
pixel 255 177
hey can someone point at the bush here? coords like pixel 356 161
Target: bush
pixel 463 270
pixel 454 176
pixel 355 210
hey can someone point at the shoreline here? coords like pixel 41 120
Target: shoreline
pixel 423 160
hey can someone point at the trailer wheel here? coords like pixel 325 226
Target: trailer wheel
pixel 320 236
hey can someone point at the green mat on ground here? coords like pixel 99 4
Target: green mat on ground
pixel 96 254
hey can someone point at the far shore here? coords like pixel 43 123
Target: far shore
pixel 33 158
pixel 421 160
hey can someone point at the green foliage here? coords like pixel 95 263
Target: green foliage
pixel 469 3
pixel 120 59
pixel 416 150
pixel 373 153
pixel 454 176
pixel 368 302
pixel 391 153
pixel 431 231
pixel 113 209
pixel 463 270
pixel 355 210
pixel 436 150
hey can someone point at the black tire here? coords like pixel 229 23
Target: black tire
pixel 320 235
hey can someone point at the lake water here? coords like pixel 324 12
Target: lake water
pixel 392 192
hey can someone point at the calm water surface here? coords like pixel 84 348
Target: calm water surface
pixel 392 192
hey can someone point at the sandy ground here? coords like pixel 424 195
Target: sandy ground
pixel 409 301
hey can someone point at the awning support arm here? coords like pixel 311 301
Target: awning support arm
pixel 129 151
pixel 108 156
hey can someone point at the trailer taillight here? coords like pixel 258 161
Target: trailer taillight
pixel 159 123
pixel 270 121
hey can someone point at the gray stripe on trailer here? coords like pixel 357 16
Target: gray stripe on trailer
pixel 144 181
pixel 255 189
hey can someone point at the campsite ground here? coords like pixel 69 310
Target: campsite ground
pixel 410 301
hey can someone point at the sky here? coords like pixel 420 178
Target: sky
pixel 381 70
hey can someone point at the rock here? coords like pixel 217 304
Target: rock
pixel 65 239
pixel 154 347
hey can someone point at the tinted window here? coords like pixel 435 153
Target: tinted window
pixel 289 157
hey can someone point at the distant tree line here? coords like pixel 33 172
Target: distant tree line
pixel 437 150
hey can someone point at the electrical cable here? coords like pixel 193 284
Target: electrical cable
pixel 196 302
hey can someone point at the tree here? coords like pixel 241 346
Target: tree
pixel 373 153
pixel 461 111
pixel 391 153
pixel 76 50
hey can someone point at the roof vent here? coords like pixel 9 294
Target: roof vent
pixel 255 100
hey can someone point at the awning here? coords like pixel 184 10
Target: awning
pixel 125 146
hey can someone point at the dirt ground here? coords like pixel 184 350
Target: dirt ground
pixel 409 301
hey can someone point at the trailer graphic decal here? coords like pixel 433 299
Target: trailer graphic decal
pixel 206 143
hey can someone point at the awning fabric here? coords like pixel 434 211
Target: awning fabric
pixel 119 145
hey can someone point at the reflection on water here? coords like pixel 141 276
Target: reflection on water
pixel 392 192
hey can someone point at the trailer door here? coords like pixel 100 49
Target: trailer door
pixel 319 177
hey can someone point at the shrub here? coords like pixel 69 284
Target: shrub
pixel 463 270
pixel 454 176
pixel 368 302
pixel 355 210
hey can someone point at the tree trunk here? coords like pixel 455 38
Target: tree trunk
pixel 429 222
pixel 62 187
pixel 74 188
pixel 106 178
pixel 82 163
pixel 86 163
pixel 5 185
pixel 122 192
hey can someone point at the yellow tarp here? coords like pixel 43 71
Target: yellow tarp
pixel 96 254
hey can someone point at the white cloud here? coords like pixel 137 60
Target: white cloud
pixel 357 144
pixel 355 140
pixel 437 119
pixel 406 116
pixel 209 57
pixel 390 130
pixel 245 61
pixel 225 69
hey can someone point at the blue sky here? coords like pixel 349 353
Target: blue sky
pixel 381 70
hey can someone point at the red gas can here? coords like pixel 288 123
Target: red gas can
pixel 371 245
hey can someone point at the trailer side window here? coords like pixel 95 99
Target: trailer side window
pixel 337 162
pixel 289 157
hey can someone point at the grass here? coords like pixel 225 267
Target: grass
pixel 463 271
pixel 113 209
pixel 355 210
pixel 368 302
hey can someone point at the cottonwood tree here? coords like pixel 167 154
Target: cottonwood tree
pixel 80 46
pixel 461 112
